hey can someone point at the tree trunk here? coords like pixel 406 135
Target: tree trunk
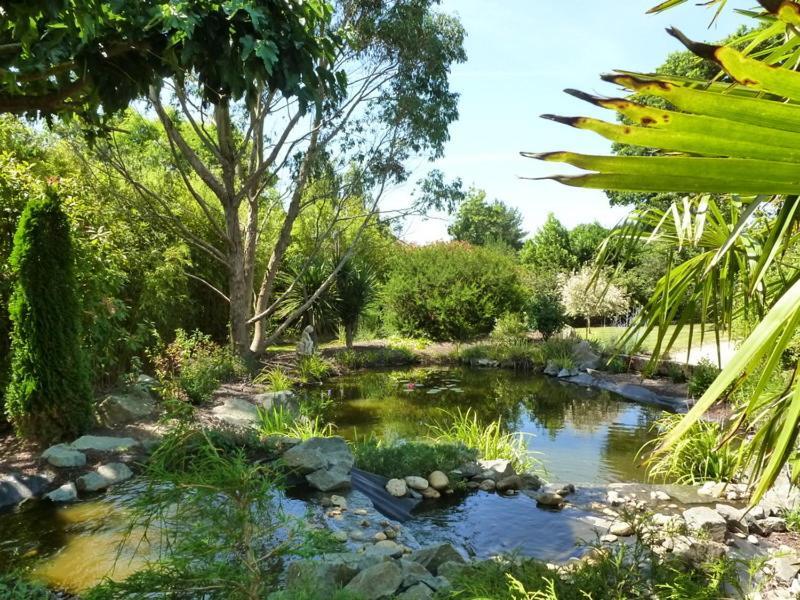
pixel 588 326
pixel 349 334
pixel 238 288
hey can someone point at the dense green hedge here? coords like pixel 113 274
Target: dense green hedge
pixel 451 291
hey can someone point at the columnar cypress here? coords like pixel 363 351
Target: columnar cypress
pixel 49 394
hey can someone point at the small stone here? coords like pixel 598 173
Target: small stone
pixel 390 534
pixel 416 483
pixel 752 539
pixel 614 499
pixel 621 529
pixel 379 537
pixel 390 547
pixel 339 501
pixel 361 512
pixel 438 480
pixel 340 536
pixel 609 538
pixel 501 467
pixel 91 482
pixel 550 499
pixel 397 487
pixel 566 490
pixel 64 455
pixel 487 485
pixel 357 535
pixel 365 523
pixel 429 493
pixel 660 495
pixel 66 493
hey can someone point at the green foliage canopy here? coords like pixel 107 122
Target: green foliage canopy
pixel 480 222
pixel 451 291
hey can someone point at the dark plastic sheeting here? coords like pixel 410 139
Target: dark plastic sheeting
pixel 374 487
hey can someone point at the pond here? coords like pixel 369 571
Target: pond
pixel 583 436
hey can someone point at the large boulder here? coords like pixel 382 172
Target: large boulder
pixel 378 581
pixel 64 455
pixel 236 412
pixel 326 462
pixel 706 521
pixel 100 443
pixel 328 572
pixel 15 488
pixel 319 453
pixel 434 556
pixel 328 480
pixel 124 407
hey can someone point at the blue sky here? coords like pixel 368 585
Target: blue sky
pixel 521 55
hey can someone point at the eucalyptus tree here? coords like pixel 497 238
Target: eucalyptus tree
pixel 246 157
pixel 738 138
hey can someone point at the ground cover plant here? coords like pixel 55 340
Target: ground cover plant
pixel 401 459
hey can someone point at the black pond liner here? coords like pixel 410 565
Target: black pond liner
pixel 374 487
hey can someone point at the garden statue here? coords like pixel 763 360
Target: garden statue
pixel 305 347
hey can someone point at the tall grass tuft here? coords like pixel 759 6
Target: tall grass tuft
pixel 280 421
pixel 489 439
pixel 695 458
pixel 276 379
pixel 313 368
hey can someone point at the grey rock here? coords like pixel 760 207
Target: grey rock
pixel 397 487
pixel 124 407
pixel 386 548
pixel 438 480
pixel 767 526
pixel 420 591
pixel 695 551
pixel 549 499
pixel 64 455
pixel 328 573
pixel 501 467
pixel 430 493
pixel 530 481
pixel 552 368
pixel 451 568
pixel 270 400
pixel 487 485
pixel 14 488
pixel 734 517
pixel 434 556
pixel 416 483
pixel 621 529
pixel 328 480
pixel 564 373
pixel 414 573
pixel 705 520
pixel 509 483
pixel 319 453
pixel 66 493
pixel 236 412
pixel 104 476
pixel 378 581
pixel 100 443
pixel 470 469
pixel 785 567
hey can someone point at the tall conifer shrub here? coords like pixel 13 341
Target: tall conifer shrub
pixel 49 394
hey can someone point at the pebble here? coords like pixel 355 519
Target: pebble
pixel 621 529
pixel 609 538
pixel 339 501
pixel 380 536
pixel 752 539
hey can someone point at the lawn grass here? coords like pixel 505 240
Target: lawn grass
pixel 608 335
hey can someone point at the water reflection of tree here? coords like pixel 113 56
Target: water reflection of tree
pixel 551 405
pixel 622 444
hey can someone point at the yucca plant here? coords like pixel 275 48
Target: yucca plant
pixel 737 137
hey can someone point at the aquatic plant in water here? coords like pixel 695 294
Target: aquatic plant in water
pixel 488 439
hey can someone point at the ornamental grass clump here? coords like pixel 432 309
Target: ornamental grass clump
pixel 696 457
pixel 488 439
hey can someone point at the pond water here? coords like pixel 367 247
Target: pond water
pixel 584 436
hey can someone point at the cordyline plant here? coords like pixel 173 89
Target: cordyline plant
pixel 736 137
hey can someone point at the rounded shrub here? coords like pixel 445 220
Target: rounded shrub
pixel 452 291
pixel 49 393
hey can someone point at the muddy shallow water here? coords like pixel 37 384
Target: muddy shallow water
pixel 583 436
